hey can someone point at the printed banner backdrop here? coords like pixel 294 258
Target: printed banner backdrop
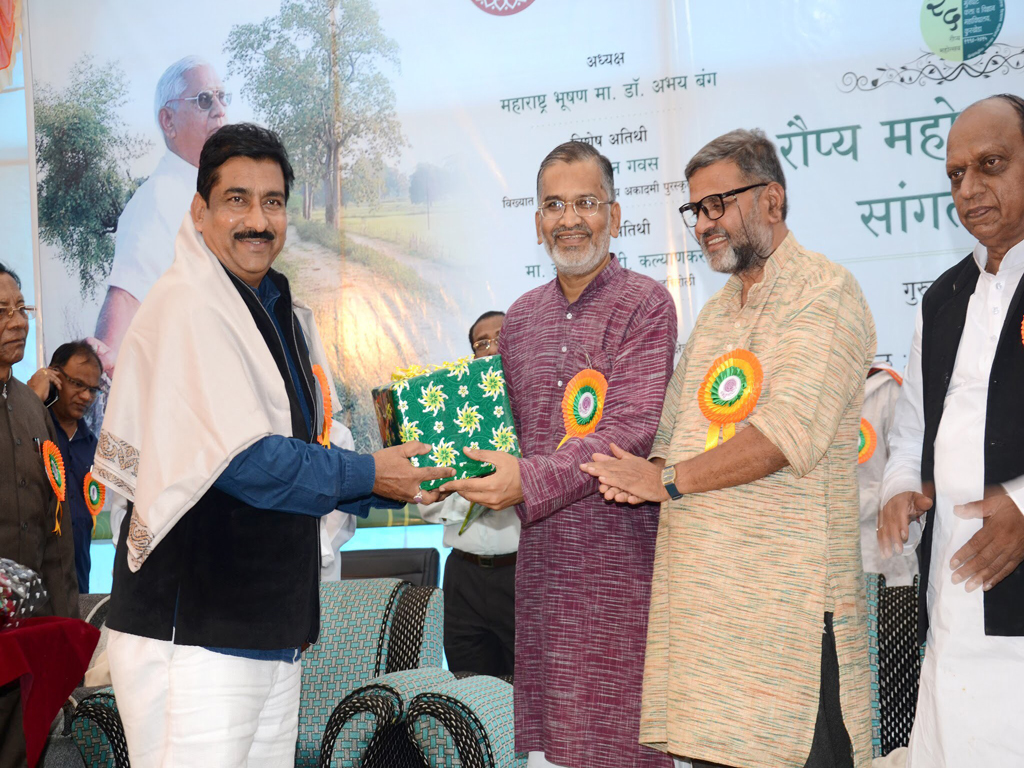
pixel 444 111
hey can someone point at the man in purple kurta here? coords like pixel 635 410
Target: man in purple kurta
pixel 584 571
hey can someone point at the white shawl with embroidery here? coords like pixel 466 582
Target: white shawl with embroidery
pixel 195 384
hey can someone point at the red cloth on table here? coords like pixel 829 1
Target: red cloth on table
pixel 50 655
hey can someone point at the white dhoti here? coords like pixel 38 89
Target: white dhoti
pixel 183 706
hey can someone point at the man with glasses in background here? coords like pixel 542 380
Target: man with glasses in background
pixel 190 106
pixel 28 506
pixel 584 571
pixel 480 575
pixel 69 388
pixel 757 652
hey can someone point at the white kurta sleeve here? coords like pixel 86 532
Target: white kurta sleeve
pixel 1015 490
pixel 906 436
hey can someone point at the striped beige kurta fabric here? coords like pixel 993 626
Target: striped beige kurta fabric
pixel 743 576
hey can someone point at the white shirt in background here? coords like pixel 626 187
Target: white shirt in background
pixel 149 223
pixel 970 683
pixel 495 532
pixel 880 395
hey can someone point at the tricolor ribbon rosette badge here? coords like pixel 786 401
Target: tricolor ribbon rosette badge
pixel 54 465
pixel 867 440
pixel 583 403
pixel 95 494
pixel 325 391
pixel 729 393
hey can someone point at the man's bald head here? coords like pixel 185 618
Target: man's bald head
pixel 985 166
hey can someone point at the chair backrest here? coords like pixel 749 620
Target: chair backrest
pixel 420 567
pixel 93 608
pixel 895 661
pixel 465 723
pixel 355 622
pixel 416 636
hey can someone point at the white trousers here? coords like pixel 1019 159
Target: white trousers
pixel 186 707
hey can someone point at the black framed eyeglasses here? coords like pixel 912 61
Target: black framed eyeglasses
pixel 204 99
pixel 80 385
pixel 712 205
pixel 584 206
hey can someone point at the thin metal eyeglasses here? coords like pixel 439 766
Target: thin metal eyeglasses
pixel 712 205
pixel 584 206
pixel 6 313
pixel 204 99
pixel 81 385
pixel 480 344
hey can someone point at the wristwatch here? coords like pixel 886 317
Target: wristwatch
pixel 668 479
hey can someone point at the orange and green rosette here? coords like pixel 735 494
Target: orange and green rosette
pixel 53 463
pixel 867 441
pixel 325 391
pixel 95 494
pixel 729 393
pixel 583 403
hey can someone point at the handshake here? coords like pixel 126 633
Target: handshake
pixel 396 478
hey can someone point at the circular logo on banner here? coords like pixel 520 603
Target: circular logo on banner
pixel 502 7
pixel 958 30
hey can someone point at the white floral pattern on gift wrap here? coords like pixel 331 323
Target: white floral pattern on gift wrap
pixel 459 368
pixel 468 418
pixel 492 382
pixel 463 391
pixel 432 398
pixel 443 454
pixel 410 431
pixel 503 438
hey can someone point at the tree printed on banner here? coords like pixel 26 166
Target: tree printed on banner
pixel 82 155
pixel 312 73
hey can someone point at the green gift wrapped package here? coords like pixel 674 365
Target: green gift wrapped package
pixel 462 404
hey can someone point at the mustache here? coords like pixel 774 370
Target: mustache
pixel 252 234
pixel 578 228
pixel 713 233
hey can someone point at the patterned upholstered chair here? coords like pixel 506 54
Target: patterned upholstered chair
pixel 465 723
pixel 97 731
pixel 380 644
pixel 90 715
pixel 369 631
pixel 895 659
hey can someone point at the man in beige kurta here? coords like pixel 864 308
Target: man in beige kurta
pixel 758 544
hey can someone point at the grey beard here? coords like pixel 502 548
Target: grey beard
pixel 752 253
pixel 586 263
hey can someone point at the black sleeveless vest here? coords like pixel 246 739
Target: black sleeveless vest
pixel 944 313
pixel 229 575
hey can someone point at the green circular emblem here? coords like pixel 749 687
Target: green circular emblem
pixel 729 386
pixel 585 405
pixel 55 471
pixel 861 442
pixel 958 30
pixel 94 493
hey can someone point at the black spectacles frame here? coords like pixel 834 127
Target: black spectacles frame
pixel 81 385
pixel 694 209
